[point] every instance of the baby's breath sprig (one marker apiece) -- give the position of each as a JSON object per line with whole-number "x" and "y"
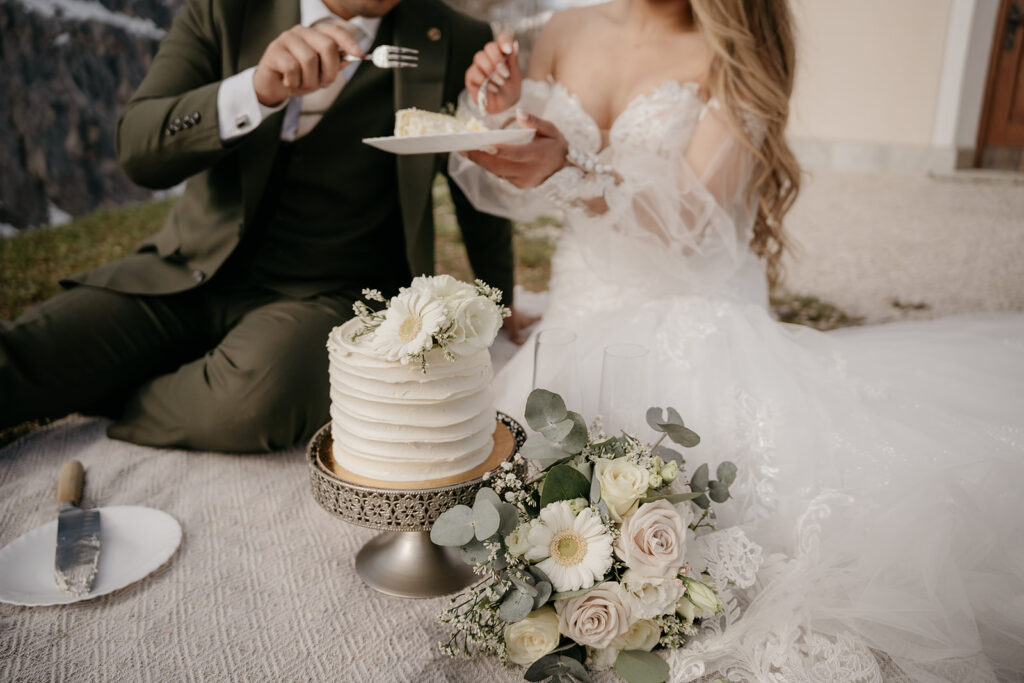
{"x": 494, "y": 294}
{"x": 675, "y": 632}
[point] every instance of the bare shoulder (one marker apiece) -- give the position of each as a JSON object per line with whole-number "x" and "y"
{"x": 556, "y": 36}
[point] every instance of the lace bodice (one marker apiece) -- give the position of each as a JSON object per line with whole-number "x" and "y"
{"x": 677, "y": 222}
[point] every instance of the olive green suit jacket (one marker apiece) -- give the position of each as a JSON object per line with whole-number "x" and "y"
{"x": 169, "y": 133}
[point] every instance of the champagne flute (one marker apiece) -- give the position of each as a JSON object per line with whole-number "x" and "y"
{"x": 554, "y": 365}
{"x": 623, "y": 391}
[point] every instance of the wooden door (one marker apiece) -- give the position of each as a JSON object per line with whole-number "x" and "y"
{"x": 1001, "y": 137}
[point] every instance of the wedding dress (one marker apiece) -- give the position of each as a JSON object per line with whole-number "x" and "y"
{"x": 881, "y": 467}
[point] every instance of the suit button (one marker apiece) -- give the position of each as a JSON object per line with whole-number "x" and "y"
{"x": 198, "y": 276}
{"x": 195, "y": 117}
{"x": 170, "y": 131}
{"x": 177, "y": 121}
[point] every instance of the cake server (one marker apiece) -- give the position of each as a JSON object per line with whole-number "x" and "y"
{"x": 78, "y": 535}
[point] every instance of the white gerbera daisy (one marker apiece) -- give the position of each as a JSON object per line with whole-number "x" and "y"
{"x": 576, "y": 550}
{"x": 409, "y": 325}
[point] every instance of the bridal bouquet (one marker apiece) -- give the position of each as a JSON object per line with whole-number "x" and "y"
{"x": 436, "y": 311}
{"x": 593, "y": 563}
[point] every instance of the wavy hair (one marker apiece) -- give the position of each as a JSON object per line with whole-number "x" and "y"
{"x": 751, "y": 76}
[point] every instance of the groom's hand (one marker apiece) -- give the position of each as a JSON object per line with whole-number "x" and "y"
{"x": 526, "y": 165}
{"x": 302, "y": 60}
{"x": 500, "y": 60}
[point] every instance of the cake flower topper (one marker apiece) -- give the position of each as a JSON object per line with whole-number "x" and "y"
{"x": 435, "y": 311}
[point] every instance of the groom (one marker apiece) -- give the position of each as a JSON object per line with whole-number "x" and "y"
{"x": 212, "y": 335}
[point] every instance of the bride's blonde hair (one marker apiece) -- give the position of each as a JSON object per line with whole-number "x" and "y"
{"x": 751, "y": 75}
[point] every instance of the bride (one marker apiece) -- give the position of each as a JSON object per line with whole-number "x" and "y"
{"x": 880, "y": 467}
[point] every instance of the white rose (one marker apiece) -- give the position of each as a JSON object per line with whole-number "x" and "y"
{"x": 622, "y": 484}
{"x": 702, "y": 596}
{"x": 517, "y": 542}
{"x": 641, "y": 635}
{"x": 651, "y": 596}
{"x": 653, "y": 539}
{"x": 448, "y": 288}
{"x": 531, "y": 638}
{"x": 476, "y": 322}
{"x": 409, "y": 324}
{"x": 596, "y": 617}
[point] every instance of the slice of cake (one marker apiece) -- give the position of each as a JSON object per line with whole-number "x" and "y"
{"x": 415, "y": 122}
{"x": 411, "y": 396}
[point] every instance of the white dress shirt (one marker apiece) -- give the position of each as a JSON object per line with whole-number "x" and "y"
{"x": 239, "y": 110}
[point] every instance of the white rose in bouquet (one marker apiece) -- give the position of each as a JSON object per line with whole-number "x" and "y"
{"x": 596, "y": 617}
{"x": 653, "y": 539}
{"x": 651, "y": 596}
{"x": 641, "y": 635}
{"x": 531, "y": 638}
{"x": 475, "y": 323}
{"x": 518, "y": 542}
{"x": 622, "y": 484}
{"x": 445, "y": 287}
{"x": 409, "y": 325}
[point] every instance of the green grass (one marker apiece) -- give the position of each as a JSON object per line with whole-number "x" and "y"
{"x": 32, "y": 265}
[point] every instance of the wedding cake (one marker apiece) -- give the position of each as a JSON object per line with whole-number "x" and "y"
{"x": 411, "y": 396}
{"x": 414, "y": 122}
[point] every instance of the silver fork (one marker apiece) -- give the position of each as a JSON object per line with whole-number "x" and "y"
{"x": 389, "y": 57}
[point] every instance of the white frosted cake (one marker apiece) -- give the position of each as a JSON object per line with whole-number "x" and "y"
{"x": 394, "y": 421}
{"x": 414, "y": 122}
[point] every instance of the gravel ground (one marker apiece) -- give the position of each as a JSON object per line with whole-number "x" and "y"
{"x": 889, "y": 247}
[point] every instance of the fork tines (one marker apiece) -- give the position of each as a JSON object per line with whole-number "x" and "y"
{"x": 401, "y": 57}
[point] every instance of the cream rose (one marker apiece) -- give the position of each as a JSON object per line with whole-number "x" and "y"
{"x": 531, "y": 638}
{"x": 596, "y": 617}
{"x": 476, "y": 322}
{"x": 622, "y": 484}
{"x": 653, "y": 539}
{"x": 641, "y": 635}
{"x": 651, "y": 596}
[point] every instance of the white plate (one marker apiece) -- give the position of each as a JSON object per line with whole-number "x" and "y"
{"x": 451, "y": 142}
{"x": 134, "y": 542}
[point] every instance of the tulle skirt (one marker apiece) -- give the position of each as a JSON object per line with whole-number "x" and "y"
{"x": 881, "y": 470}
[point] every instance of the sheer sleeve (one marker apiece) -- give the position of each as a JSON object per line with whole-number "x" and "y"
{"x": 676, "y": 211}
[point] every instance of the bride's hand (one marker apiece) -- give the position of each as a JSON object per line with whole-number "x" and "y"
{"x": 526, "y": 165}
{"x": 501, "y": 56}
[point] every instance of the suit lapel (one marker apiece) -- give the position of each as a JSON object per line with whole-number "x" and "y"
{"x": 422, "y": 26}
{"x": 264, "y": 21}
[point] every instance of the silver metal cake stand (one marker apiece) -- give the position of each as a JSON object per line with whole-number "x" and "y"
{"x": 402, "y": 561}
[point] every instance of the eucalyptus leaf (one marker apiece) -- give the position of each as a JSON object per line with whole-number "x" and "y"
{"x": 668, "y": 454}
{"x": 487, "y": 493}
{"x": 655, "y": 419}
{"x": 544, "y": 408}
{"x": 538, "y": 574}
{"x": 474, "y": 553}
{"x": 558, "y": 667}
{"x": 702, "y": 502}
{"x": 557, "y": 431}
{"x": 515, "y": 606}
{"x": 540, "y": 449}
{"x": 543, "y": 593}
{"x": 727, "y": 473}
{"x": 572, "y": 594}
{"x": 718, "y": 491}
{"x": 674, "y": 417}
{"x": 684, "y": 436}
{"x": 509, "y": 518}
{"x": 485, "y": 518}
{"x": 637, "y": 666}
{"x": 699, "y": 480}
{"x": 454, "y": 527}
{"x": 525, "y": 587}
{"x": 602, "y": 508}
{"x": 576, "y": 440}
{"x": 595, "y": 491}
{"x": 563, "y": 482}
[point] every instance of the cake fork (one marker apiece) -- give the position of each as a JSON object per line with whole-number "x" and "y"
{"x": 389, "y": 57}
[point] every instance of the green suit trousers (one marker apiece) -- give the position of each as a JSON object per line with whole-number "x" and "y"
{"x": 225, "y": 367}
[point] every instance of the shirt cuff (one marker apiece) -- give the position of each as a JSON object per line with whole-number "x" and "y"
{"x": 238, "y": 109}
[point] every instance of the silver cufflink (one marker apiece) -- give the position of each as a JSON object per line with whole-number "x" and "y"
{"x": 241, "y": 121}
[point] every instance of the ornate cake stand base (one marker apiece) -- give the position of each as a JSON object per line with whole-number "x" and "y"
{"x": 407, "y": 564}
{"x": 403, "y": 561}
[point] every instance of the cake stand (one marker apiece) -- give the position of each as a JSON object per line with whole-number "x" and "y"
{"x": 403, "y": 561}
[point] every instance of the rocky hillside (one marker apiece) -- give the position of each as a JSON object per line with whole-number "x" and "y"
{"x": 69, "y": 66}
